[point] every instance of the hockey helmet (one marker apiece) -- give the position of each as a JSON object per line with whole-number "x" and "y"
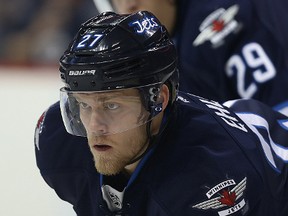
{"x": 112, "y": 53}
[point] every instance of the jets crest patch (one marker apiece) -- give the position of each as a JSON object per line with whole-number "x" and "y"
{"x": 39, "y": 129}
{"x": 217, "y": 26}
{"x": 226, "y": 198}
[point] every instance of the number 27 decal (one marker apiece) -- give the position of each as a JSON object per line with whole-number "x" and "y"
{"x": 89, "y": 40}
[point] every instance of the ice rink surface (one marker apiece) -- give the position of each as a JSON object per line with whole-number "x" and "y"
{"x": 25, "y": 93}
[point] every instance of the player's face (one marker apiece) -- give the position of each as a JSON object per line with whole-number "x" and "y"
{"x": 111, "y": 112}
{"x": 112, "y": 153}
{"x": 164, "y": 10}
{"x": 115, "y": 127}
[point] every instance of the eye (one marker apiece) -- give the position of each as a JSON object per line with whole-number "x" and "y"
{"x": 111, "y": 106}
{"x": 83, "y": 105}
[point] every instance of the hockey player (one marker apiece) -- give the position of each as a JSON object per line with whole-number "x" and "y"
{"x": 137, "y": 146}
{"x": 227, "y": 49}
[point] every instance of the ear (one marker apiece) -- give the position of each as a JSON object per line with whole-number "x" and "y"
{"x": 164, "y": 96}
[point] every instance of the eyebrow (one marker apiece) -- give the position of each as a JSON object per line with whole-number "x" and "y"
{"x": 95, "y": 97}
{"x": 102, "y": 97}
{"x": 111, "y": 94}
{"x": 114, "y": 94}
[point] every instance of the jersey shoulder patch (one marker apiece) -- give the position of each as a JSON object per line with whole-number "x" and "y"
{"x": 40, "y": 126}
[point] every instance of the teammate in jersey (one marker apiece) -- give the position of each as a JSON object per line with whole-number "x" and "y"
{"x": 227, "y": 49}
{"x": 137, "y": 146}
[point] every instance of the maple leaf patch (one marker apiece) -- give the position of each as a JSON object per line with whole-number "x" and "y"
{"x": 228, "y": 198}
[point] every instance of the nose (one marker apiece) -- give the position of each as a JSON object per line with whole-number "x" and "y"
{"x": 97, "y": 124}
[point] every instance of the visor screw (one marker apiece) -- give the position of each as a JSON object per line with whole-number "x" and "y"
{"x": 75, "y": 84}
{"x": 153, "y": 98}
{"x": 93, "y": 83}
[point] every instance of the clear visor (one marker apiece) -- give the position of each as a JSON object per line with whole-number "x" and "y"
{"x": 106, "y": 113}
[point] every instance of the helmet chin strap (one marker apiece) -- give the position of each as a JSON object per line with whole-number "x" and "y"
{"x": 151, "y": 139}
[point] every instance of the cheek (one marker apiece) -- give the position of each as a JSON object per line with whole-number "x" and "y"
{"x": 83, "y": 117}
{"x": 133, "y": 140}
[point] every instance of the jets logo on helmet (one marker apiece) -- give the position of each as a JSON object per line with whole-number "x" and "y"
{"x": 146, "y": 24}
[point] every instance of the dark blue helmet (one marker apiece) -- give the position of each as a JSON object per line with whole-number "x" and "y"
{"x": 113, "y": 51}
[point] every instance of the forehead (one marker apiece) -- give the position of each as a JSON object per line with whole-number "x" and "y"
{"x": 107, "y": 94}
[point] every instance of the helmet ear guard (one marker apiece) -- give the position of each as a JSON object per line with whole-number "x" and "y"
{"x": 152, "y": 99}
{"x": 157, "y": 100}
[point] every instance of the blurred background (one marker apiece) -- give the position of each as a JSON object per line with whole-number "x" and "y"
{"x": 33, "y": 35}
{"x": 37, "y": 31}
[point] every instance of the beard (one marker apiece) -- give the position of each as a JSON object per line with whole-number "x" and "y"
{"x": 126, "y": 146}
{"x": 110, "y": 165}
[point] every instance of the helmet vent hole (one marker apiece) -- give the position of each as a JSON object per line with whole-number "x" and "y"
{"x": 119, "y": 69}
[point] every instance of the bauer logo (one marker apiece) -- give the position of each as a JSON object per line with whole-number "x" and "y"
{"x": 144, "y": 25}
{"x": 82, "y": 72}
